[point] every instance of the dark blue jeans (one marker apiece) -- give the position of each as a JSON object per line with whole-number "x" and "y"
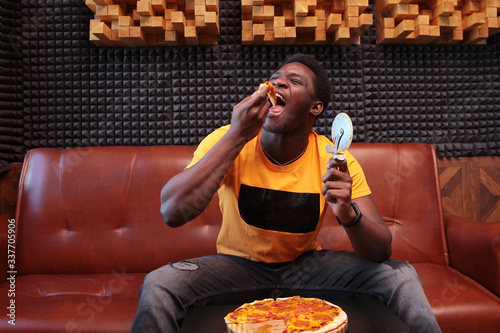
{"x": 169, "y": 291}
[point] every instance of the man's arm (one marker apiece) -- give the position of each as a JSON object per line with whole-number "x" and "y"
{"x": 188, "y": 193}
{"x": 370, "y": 237}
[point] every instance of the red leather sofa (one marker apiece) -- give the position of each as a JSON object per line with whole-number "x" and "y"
{"x": 88, "y": 228}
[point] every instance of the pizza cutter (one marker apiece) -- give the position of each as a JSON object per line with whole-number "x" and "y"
{"x": 341, "y": 136}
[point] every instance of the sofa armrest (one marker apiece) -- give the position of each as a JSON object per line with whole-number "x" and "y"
{"x": 4, "y": 238}
{"x": 474, "y": 249}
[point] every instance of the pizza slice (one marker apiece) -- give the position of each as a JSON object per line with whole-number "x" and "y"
{"x": 274, "y": 97}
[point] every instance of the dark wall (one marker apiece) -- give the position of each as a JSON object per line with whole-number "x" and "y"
{"x": 11, "y": 71}
{"x": 76, "y": 94}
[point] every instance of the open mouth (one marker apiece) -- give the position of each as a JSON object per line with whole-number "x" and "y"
{"x": 278, "y": 106}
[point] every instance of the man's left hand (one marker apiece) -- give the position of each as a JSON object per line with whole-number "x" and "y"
{"x": 338, "y": 189}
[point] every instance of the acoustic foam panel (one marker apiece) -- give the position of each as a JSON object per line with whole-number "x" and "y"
{"x": 77, "y": 94}
{"x": 11, "y": 118}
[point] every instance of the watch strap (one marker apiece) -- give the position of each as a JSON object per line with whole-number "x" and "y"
{"x": 356, "y": 220}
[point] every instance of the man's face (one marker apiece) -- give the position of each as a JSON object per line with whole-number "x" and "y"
{"x": 294, "y": 83}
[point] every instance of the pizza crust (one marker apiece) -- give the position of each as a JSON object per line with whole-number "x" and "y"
{"x": 273, "y": 326}
{"x": 278, "y": 326}
{"x": 338, "y": 325}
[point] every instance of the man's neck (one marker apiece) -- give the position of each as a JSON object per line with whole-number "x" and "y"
{"x": 283, "y": 147}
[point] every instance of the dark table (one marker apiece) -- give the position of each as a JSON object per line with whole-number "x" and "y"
{"x": 365, "y": 316}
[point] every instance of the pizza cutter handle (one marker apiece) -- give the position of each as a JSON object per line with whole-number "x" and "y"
{"x": 336, "y": 155}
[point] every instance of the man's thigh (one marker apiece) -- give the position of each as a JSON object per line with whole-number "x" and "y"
{"x": 343, "y": 272}
{"x": 216, "y": 279}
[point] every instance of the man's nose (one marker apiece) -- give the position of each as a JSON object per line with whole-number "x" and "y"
{"x": 279, "y": 83}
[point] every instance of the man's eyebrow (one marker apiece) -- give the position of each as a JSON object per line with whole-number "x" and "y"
{"x": 296, "y": 75}
{"x": 280, "y": 74}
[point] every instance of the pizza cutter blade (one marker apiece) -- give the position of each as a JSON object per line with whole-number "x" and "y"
{"x": 342, "y": 132}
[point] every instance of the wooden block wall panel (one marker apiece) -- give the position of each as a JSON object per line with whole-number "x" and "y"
{"x": 445, "y": 22}
{"x": 154, "y": 22}
{"x": 471, "y": 187}
{"x": 268, "y": 22}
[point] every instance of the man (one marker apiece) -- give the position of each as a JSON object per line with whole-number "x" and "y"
{"x": 275, "y": 182}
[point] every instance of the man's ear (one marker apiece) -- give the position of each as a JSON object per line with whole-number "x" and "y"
{"x": 316, "y": 108}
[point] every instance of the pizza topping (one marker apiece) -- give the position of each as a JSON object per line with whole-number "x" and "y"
{"x": 301, "y": 323}
{"x": 322, "y": 317}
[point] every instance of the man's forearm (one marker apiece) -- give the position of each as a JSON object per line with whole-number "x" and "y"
{"x": 370, "y": 237}
{"x": 370, "y": 240}
{"x": 187, "y": 194}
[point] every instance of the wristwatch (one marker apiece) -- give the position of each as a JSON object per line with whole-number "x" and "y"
{"x": 356, "y": 220}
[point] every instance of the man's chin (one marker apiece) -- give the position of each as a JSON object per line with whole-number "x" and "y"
{"x": 274, "y": 128}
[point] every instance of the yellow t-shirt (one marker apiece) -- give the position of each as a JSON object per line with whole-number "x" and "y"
{"x": 273, "y": 213}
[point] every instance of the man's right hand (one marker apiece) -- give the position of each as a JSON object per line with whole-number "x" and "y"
{"x": 250, "y": 114}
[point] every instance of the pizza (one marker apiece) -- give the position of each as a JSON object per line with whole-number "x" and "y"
{"x": 272, "y": 94}
{"x": 287, "y": 315}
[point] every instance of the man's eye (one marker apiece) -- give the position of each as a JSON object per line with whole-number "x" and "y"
{"x": 295, "y": 81}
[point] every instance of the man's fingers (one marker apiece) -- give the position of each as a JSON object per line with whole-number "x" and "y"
{"x": 339, "y": 165}
{"x": 334, "y": 194}
{"x": 343, "y": 167}
{"x": 327, "y": 176}
{"x": 257, "y": 99}
{"x": 334, "y": 174}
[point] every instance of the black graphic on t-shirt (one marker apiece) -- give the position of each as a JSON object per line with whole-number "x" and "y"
{"x": 279, "y": 210}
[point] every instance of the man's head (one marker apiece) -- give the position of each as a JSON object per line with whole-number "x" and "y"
{"x": 302, "y": 93}
{"x": 322, "y": 83}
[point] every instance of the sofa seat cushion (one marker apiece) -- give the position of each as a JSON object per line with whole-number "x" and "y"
{"x": 75, "y": 303}
{"x": 459, "y": 303}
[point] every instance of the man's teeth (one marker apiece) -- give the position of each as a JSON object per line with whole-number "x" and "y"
{"x": 274, "y": 101}
{"x": 280, "y": 97}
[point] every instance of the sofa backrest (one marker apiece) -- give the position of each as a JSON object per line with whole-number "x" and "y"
{"x": 97, "y": 210}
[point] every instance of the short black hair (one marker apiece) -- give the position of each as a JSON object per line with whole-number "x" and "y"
{"x": 322, "y": 84}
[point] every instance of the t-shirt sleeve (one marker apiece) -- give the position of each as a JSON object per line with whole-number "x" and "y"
{"x": 206, "y": 144}
{"x": 360, "y": 186}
